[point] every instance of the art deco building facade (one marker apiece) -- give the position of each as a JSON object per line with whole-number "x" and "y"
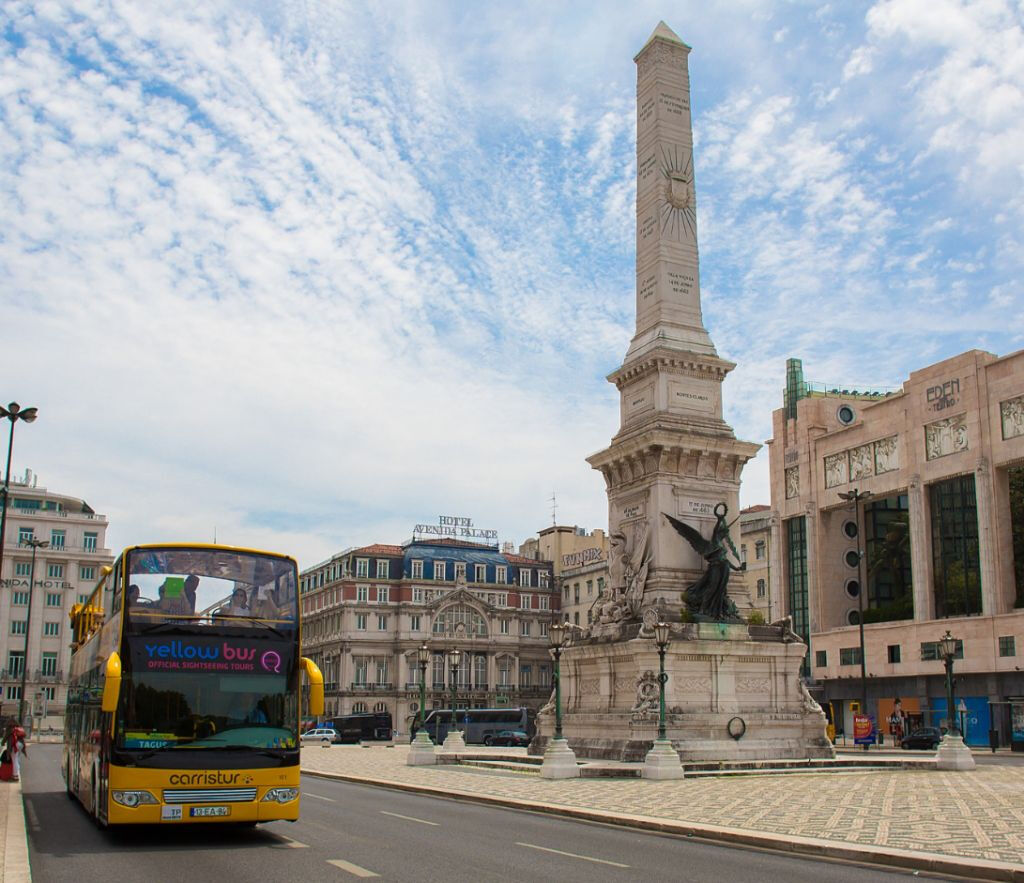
{"x": 66, "y": 571}
{"x": 938, "y": 467}
{"x": 366, "y": 611}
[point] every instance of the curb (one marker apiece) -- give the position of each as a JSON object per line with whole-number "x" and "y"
{"x": 14, "y": 864}
{"x": 974, "y": 868}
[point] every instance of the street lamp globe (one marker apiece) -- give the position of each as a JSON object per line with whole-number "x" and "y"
{"x": 662, "y": 634}
{"x": 556, "y": 635}
{"x": 423, "y": 654}
{"x": 454, "y": 656}
{"x": 948, "y": 645}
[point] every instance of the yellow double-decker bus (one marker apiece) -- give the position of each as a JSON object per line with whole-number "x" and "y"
{"x": 184, "y": 698}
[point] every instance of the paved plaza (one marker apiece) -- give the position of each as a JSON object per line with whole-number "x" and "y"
{"x": 971, "y": 823}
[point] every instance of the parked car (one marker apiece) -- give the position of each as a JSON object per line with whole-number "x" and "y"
{"x": 515, "y": 738}
{"x": 322, "y": 735}
{"x": 924, "y": 737}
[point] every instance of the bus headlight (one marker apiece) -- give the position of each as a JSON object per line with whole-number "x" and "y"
{"x": 281, "y": 795}
{"x": 133, "y": 798}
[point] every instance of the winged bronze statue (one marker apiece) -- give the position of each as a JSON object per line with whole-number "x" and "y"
{"x": 708, "y": 598}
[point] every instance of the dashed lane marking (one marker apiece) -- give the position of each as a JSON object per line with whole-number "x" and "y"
{"x": 354, "y": 870}
{"x": 586, "y": 858}
{"x": 396, "y": 815}
{"x": 287, "y": 842}
{"x": 318, "y": 796}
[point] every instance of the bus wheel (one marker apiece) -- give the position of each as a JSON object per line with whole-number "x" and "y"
{"x": 488, "y": 740}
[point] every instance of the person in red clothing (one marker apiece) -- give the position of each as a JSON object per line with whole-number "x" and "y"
{"x": 14, "y": 748}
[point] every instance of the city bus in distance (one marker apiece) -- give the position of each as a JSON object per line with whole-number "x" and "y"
{"x": 184, "y": 700}
{"x": 479, "y": 725}
{"x": 366, "y": 727}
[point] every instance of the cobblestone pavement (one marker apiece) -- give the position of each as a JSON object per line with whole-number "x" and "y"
{"x": 976, "y": 815}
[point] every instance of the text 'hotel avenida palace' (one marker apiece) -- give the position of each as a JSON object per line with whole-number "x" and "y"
{"x": 367, "y": 610}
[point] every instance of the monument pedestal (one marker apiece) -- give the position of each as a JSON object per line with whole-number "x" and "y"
{"x": 453, "y": 742}
{"x": 559, "y": 761}
{"x": 422, "y": 752}
{"x": 662, "y": 762}
{"x": 953, "y": 754}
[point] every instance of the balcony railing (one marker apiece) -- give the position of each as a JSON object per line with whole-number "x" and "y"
{"x": 356, "y": 685}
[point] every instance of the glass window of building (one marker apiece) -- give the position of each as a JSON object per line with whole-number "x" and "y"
{"x": 19, "y": 598}
{"x": 460, "y": 570}
{"x": 15, "y": 662}
{"x": 524, "y": 602}
{"x": 524, "y": 628}
{"x": 504, "y": 672}
{"x": 414, "y": 623}
{"x": 543, "y": 577}
{"x": 13, "y": 693}
{"x": 524, "y": 576}
{"x": 18, "y": 627}
{"x": 54, "y": 599}
{"x": 417, "y": 569}
{"x": 887, "y": 559}
{"x": 956, "y": 563}
{"x": 480, "y": 573}
{"x": 820, "y": 658}
{"x": 759, "y": 550}
{"x": 49, "y": 665}
{"x": 51, "y": 629}
{"x": 458, "y": 620}
{"x": 576, "y": 593}
{"x": 760, "y": 588}
{"x": 743, "y": 552}
{"x": 501, "y": 574}
{"x": 359, "y": 707}
{"x": 849, "y": 655}
{"x": 543, "y": 629}
{"x": 23, "y": 568}
{"x": 361, "y": 622}
{"x": 382, "y": 622}
{"x": 796, "y": 559}
{"x": 1007, "y": 645}
{"x": 576, "y": 618}
{"x": 600, "y": 585}
{"x": 89, "y": 541}
{"x": 383, "y": 566}
{"x": 362, "y": 593}
{"x": 504, "y": 627}
{"x": 87, "y": 573}
{"x": 480, "y": 671}
{"x": 894, "y": 653}
{"x": 439, "y": 569}
{"x": 25, "y": 534}
{"x": 543, "y": 600}
{"x": 55, "y": 571}
{"x": 526, "y": 676}
{"x": 360, "y": 669}
{"x": 57, "y": 537}
{"x": 362, "y": 567}
{"x": 383, "y": 593}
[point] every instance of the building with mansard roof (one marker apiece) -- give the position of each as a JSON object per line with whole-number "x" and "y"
{"x": 366, "y": 611}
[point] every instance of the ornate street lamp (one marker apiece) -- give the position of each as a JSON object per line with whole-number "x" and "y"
{"x": 35, "y": 544}
{"x": 13, "y": 412}
{"x": 421, "y": 751}
{"x": 662, "y": 637}
{"x": 559, "y": 759}
{"x": 423, "y": 658}
{"x": 556, "y": 638}
{"x": 454, "y": 657}
{"x": 948, "y": 647}
{"x": 856, "y": 496}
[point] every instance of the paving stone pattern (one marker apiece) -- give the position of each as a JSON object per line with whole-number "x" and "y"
{"x": 977, "y": 814}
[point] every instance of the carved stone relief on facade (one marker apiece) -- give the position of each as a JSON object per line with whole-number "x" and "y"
{"x": 694, "y": 685}
{"x": 753, "y": 685}
{"x": 945, "y": 437}
{"x": 792, "y": 482}
{"x": 837, "y": 469}
{"x": 590, "y": 688}
{"x": 886, "y": 458}
{"x": 1012, "y": 412}
{"x": 862, "y": 462}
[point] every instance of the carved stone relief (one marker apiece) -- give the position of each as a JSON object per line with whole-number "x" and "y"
{"x": 886, "y": 459}
{"x": 837, "y": 469}
{"x": 590, "y": 688}
{"x": 945, "y": 437}
{"x": 752, "y": 685}
{"x": 1012, "y": 412}
{"x": 693, "y": 685}
{"x": 862, "y": 462}
{"x": 792, "y": 482}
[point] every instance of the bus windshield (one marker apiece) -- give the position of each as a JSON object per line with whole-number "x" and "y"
{"x": 209, "y": 585}
{"x": 200, "y": 691}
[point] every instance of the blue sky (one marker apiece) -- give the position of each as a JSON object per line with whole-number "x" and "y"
{"x": 310, "y": 273}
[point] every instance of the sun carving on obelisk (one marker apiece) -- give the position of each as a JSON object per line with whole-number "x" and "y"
{"x": 679, "y": 210}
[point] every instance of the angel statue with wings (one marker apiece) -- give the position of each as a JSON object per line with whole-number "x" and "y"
{"x": 709, "y": 596}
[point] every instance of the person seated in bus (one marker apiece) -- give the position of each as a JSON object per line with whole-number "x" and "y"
{"x": 191, "y": 587}
{"x": 263, "y": 603}
{"x": 172, "y": 599}
{"x": 238, "y": 604}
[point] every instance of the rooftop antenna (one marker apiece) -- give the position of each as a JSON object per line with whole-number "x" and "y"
{"x": 215, "y": 534}
{"x": 554, "y": 509}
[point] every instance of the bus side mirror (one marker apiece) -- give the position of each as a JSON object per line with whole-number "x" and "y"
{"x": 111, "y": 683}
{"x": 316, "y": 687}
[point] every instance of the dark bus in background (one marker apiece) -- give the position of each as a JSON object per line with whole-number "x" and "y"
{"x": 480, "y": 725}
{"x": 368, "y": 727}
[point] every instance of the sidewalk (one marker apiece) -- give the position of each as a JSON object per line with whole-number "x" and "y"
{"x": 963, "y": 823}
{"x": 14, "y": 866}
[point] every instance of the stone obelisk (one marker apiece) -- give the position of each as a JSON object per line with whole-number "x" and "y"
{"x": 674, "y": 452}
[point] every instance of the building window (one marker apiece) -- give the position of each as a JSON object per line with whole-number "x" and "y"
{"x": 382, "y": 622}
{"x": 480, "y": 573}
{"x": 49, "y": 693}
{"x": 25, "y": 534}
{"x": 414, "y": 623}
{"x": 459, "y": 619}
{"x": 460, "y": 570}
{"x": 15, "y": 662}
{"x": 57, "y": 538}
{"x": 894, "y": 653}
{"x": 501, "y": 574}
{"x": 380, "y": 707}
{"x": 362, "y": 568}
{"x": 524, "y": 577}
{"x": 81, "y": 599}
{"x": 383, "y": 593}
{"x": 543, "y": 629}
{"x": 543, "y": 577}
{"x": 358, "y": 708}
{"x": 51, "y": 629}
{"x": 576, "y": 593}
{"x": 565, "y": 592}
{"x": 743, "y": 553}
{"x": 600, "y": 586}
{"x": 524, "y": 602}
{"x": 760, "y": 588}
{"x": 887, "y": 545}
{"x": 417, "y": 569}
{"x": 504, "y": 672}
{"x": 382, "y": 672}
{"x": 576, "y": 618}
{"x": 524, "y": 628}
{"x": 362, "y": 593}
{"x": 19, "y": 598}
{"x": 590, "y": 588}
{"x": 54, "y": 599}
{"x": 796, "y": 559}
{"x": 526, "y": 676}
{"x": 1007, "y": 646}
{"x": 49, "y": 665}
{"x": 502, "y": 599}
{"x": 955, "y": 558}
{"x": 417, "y": 595}
{"x": 820, "y": 658}
{"x": 360, "y": 668}
{"x": 89, "y": 541}
{"x": 439, "y": 570}
{"x": 382, "y": 568}
{"x": 55, "y": 571}
{"x": 931, "y": 650}
{"x": 849, "y": 656}
{"x": 87, "y": 573}
{"x": 18, "y": 627}
{"x": 23, "y": 568}
{"x": 13, "y": 693}
{"x": 504, "y": 629}
{"x": 759, "y": 550}
{"x": 543, "y": 600}
{"x": 361, "y": 622}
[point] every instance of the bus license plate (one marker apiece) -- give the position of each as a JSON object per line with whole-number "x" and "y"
{"x": 209, "y": 811}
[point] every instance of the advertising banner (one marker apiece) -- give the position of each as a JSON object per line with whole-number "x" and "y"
{"x": 197, "y": 653}
{"x": 863, "y": 730}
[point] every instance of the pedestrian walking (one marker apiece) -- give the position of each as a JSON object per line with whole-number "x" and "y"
{"x": 14, "y": 749}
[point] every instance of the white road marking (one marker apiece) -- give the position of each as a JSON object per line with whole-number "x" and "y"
{"x": 396, "y": 815}
{"x": 354, "y": 870}
{"x": 289, "y": 843}
{"x": 586, "y": 858}
{"x": 318, "y": 797}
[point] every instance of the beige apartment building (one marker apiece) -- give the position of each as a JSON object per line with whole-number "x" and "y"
{"x": 580, "y": 565}
{"x": 755, "y": 547}
{"x": 366, "y": 612}
{"x": 66, "y": 572}
{"x": 905, "y": 508}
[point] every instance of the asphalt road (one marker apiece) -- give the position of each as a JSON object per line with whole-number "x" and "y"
{"x": 352, "y": 831}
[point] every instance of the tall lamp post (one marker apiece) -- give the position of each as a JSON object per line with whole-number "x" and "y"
{"x": 856, "y": 496}
{"x": 662, "y": 761}
{"x": 13, "y": 412}
{"x": 953, "y": 754}
{"x": 559, "y": 759}
{"x": 421, "y": 752}
{"x": 35, "y": 544}
{"x": 454, "y": 741}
